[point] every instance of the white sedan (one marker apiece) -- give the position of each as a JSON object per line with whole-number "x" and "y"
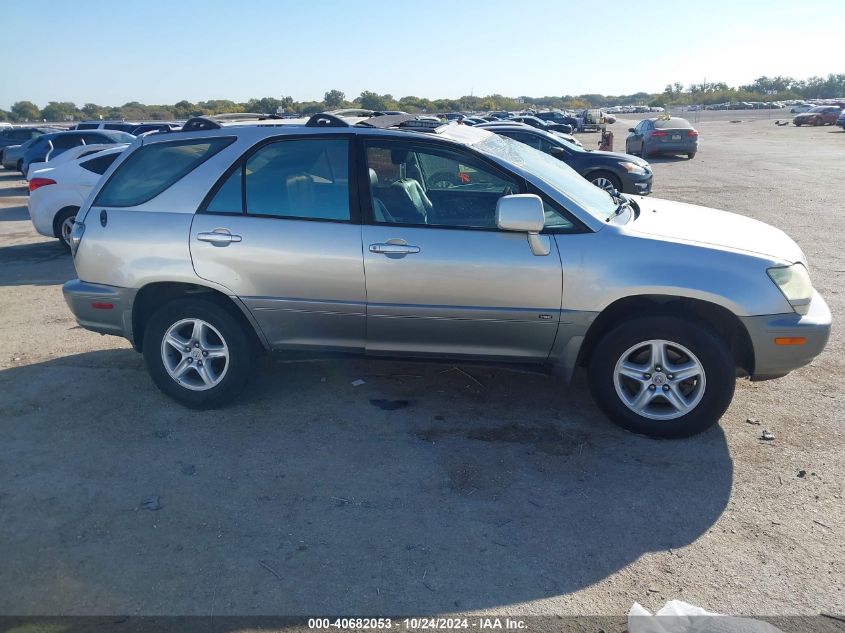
{"x": 57, "y": 192}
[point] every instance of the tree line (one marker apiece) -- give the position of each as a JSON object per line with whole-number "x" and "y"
{"x": 761, "y": 89}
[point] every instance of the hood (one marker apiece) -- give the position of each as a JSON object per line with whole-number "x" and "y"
{"x": 806, "y": 115}
{"x": 721, "y": 229}
{"x": 619, "y": 157}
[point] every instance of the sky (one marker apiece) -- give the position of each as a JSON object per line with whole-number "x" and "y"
{"x": 157, "y": 52}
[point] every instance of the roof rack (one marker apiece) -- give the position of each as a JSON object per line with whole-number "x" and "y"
{"x": 213, "y": 121}
{"x": 324, "y": 119}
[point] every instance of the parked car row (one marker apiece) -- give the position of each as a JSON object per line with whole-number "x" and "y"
{"x": 455, "y": 246}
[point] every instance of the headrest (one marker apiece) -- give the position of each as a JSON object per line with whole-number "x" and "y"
{"x": 373, "y": 177}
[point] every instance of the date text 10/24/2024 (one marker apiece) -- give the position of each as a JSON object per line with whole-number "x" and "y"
{"x": 422, "y": 624}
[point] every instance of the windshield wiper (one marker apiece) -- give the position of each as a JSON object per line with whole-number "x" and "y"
{"x": 621, "y": 203}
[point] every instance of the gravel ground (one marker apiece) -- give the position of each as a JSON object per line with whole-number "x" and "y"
{"x": 508, "y": 495}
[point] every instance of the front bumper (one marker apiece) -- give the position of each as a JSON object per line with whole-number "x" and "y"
{"x": 637, "y": 184}
{"x": 103, "y": 309}
{"x": 772, "y": 360}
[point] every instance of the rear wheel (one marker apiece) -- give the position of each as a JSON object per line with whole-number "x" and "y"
{"x": 664, "y": 377}
{"x": 20, "y": 165}
{"x": 63, "y": 225}
{"x": 691, "y": 155}
{"x": 198, "y": 353}
{"x": 605, "y": 180}
{"x": 818, "y": 121}
{"x": 643, "y": 151}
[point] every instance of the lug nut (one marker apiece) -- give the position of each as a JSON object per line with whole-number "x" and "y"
{"x": 658, "y": 368}
{"x": 646, "y": 376}
{"x": 199, "y": 362}
{"x": 196, "y": 344}
{"x": 187, "y": 349}
{"x": 665, "y": 387}
{"x": 204, "y": 353}
{"x": 652, "y": 387}
{"x": 670, "y": 376}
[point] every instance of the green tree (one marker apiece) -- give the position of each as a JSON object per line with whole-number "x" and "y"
{"x": 373, "y": 101}
{"x": 4, "y": 116}
{"x": 185, "y": 110}
{"x": 59, "y": 111}
{"x": 334, "y": 99}
{"x": 25, "y": 111}
{"x": 92, "y": 111}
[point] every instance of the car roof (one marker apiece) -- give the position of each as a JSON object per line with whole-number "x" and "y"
{"x": 404, "y": 126}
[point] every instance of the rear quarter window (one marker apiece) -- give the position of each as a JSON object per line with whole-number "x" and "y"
{"x": 153, "y": 168}
{"x": 100, "y": 164}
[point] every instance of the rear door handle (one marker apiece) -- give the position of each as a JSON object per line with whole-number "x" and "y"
{"x": 393, "y": 249}
{"x": 218, "y": 237}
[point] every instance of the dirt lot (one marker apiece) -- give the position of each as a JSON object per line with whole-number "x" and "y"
{"x": 509, "y": 495}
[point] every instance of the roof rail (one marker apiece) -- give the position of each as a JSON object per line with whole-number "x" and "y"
{"x": 324, "y": 119}
{"x": 198, "y": 123}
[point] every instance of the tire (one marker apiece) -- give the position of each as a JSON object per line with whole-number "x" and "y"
{"x": 691, "y": 155}
{"x": 62, "y": 224}
{"x": 20, "y": 166}
{"x": 225, "y": 379}
{"x": 703, "y": 397}
{"x": 818, "y": 121}
{"x": 606, "y": 179}
{"x": 644, "y": 152}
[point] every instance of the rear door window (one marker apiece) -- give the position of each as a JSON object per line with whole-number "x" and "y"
{"x": 305, "y": 179}
{"x": 153, "y": 168}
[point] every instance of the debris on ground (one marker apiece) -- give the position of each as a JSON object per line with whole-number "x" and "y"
{"x": 767, "y": 435}
{"x": 752, "y": 421}
{"x": 465, "y": 373}
{"x": 152, "y": 503}
{"x": 358, "y": 382}
{"x": 801, "y": 474}
{"x": 389, "y": 405}
{"x": 677, "y": 616}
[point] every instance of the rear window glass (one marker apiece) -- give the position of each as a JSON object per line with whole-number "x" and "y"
{"x": 674, "y": 123}
{"x": 153, "y": 168}
{"x": 100, "y": 164}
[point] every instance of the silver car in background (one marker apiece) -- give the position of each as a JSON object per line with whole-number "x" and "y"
{"x": 396, "y": 237}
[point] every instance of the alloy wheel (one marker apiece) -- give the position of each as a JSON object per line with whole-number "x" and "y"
{"x": 604, "y": 183}
{"x": 66, "y": 229}
{"x": 659, "y": 379}
{"x": 195, "y": 354}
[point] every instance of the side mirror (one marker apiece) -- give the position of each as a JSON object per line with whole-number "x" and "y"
{"x": 630, "y": 129}
{"x": 557, "y": 151}
{"x": 523, "y": 213}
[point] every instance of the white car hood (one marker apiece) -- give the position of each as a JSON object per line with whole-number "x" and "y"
{"x": 693, "y": 223}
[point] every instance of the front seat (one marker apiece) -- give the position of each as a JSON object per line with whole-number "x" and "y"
{"x": 380, "y": 210}
{"x": 405, "y": 199}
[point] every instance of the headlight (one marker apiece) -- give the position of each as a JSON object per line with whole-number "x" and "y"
{"x": 794, "y": 282}
{"x": 633, "y": 168}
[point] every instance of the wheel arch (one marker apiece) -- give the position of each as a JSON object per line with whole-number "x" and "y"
{"x": 153, "y": 295}
{"x": 724, "y": 322}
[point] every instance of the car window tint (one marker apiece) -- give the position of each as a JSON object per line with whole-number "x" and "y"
{"x": 305, "y": 179}
{"x": 100, "y": 164}
{"x": 87, "y": 126}
{"x": 673, "y": 123}
{"x": 410, "y": 185}
{"x": 153, "y": 168}
{"x": 229, "y": 197}
{"x": 66, "y": 142}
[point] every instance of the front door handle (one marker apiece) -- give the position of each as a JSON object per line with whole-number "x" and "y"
{"x": 219, "y": 237}
{"x": 393, "y": 249}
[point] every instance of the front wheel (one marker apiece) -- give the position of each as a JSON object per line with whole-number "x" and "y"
{"x": 691, "y": 155}
{"x": 605, "y": 180}
{"x": 665, "y": 377}
{"x": 197, "y": 353}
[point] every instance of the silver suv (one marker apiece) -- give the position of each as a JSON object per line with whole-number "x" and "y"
{"x": 388, "y": 237}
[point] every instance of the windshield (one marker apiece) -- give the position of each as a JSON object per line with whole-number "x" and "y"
{"x": 552, "y": 171}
